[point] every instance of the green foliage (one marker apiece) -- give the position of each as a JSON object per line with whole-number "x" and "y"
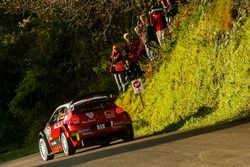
{"x": 49, "y": 54}
{"x": 206, "y": 77}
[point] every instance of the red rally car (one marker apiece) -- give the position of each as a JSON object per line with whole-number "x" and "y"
{"x": 96, "y": 120}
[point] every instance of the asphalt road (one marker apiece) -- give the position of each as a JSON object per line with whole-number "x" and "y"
{"x": 224, "y": 146}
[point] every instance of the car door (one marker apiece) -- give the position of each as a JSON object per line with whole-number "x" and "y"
{"x": 55, "y": 131}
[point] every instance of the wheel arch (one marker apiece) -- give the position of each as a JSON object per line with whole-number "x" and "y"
{"x": 42, "y": 135}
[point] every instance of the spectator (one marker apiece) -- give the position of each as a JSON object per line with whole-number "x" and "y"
{"x": 141, "y": 51}
{"x": 142, "y": 31}
{"x": 130, "y": 48}
{"x": 166, "y": 6}
{"x": 172, "y": 9}
{"x": 117, "y": 68}
{"x": 158, "y": 20}
{"x": 126, "y": 45}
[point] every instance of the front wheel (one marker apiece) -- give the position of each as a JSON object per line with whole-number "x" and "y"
{"x": 67, "y": 146}
{"x": 44, "y": 150}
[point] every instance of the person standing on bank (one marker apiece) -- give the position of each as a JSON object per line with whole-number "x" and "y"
{"x": 158, "y": 20}
{"x": 142, "y": 31}
{"x": 130, "y": 51}
{"x": 117, "y": 68}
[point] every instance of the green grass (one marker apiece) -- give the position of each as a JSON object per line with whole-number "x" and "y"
{"x": 204, "y": 73}
{"x": 18, "y": 153}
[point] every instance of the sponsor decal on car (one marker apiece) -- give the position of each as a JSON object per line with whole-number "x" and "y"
{"x": 87, "y": 133}
{"x": 53, "y": 143}
{"x": 118, "y": 124}
{"x": 109, "y": 114}
{"x": 84, "y": 130}
{"x": 47, "y": 131}
{"x": 90, "y": 115}
{"x": 88, "y": 121}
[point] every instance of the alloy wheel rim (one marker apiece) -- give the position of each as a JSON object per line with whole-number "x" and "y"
{"x": 43, "y": 149}
{"x": 64, "y": 143}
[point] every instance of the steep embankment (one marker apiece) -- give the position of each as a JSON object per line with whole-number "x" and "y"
{"x": 204, "y": 76}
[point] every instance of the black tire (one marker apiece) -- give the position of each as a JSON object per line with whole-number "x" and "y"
{"x": 129, "y": 135}
{"x": 67, "y": 146}
{"x": 44, "y": 150}
{"x": 105, "y": 144}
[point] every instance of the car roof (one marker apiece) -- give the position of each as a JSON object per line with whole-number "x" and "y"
{"x": 89, "y": 98}
{"x": 92, "y": 99}
{"x": 67, "y": 105}
{"x": 108, "y": 94}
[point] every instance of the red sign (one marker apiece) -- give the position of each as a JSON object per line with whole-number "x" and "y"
{"x": 137, "y": 86}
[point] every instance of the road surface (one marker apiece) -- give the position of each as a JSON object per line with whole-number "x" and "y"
{"x": 218, "y": 146}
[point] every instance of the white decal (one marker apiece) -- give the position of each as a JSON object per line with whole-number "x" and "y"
{"x": 100, "y": 126}
{"x": 56, "y": 125}
{"x": 53, "y": 143}
{"x": 90, "y": 115}
{"x": 47, "y": 131}
{"x": 109, "y": 114}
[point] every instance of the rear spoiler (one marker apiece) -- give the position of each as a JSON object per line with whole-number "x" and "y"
{"x": 93, "y": 98}
{"x": 107, "y": 94}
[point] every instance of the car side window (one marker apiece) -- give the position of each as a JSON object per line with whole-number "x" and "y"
{"x": 54, "y": 118}
{"x": 62, "y": 114}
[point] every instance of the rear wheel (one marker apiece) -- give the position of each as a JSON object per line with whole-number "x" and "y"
{"x": 129, "y": 135}
{"x": 44, "y": 150}
{"x": 67, "y": 146}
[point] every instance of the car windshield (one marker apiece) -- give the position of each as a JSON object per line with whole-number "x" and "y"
{"x": 92, "y": 106}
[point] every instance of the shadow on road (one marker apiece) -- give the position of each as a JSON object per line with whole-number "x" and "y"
{"x": 162, "y": 139}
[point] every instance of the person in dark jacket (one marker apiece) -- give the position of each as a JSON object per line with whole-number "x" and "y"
{"x": 171, "y": 9}
{"x": 118, "y": 68}
{"x": 142, "y": 31}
